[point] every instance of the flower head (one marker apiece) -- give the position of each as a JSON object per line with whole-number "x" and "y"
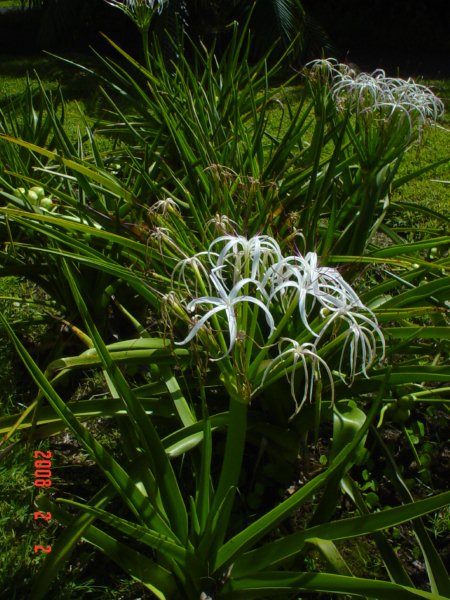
{"x": 311, "y": 362}
{"x": 300, "y": 279}
{"x": 243, "y": 279}
{"x": 165, "y": 206}
{"x": 228, "y": 302}
{"x": 378, "y": 92}
{"x": 361, "y": 336}
{"x": 242, "y": 257}
{"x": 376, "y": 95}
{"x": 139, "y": 11}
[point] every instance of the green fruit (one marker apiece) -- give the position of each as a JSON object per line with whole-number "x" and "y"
{"x": 20, "y": 192}
{"x": 32, "y": 197}
{"x": 38, "y": 190}
{"x": 46, "y": 203}
{"x": 425, "y": 460}
{"x": 401, "y": 414}
{"x": 397, "y": 412}
{"x": 406, "y": 402}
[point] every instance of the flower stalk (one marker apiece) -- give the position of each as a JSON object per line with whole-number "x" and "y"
{"x": 141, "y": 12}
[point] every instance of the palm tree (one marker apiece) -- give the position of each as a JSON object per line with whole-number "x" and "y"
{"x": 271, "y": 21}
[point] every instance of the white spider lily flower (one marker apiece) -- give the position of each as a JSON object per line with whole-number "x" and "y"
{"x": 328, "y": 69}
{"x": 245, "y": 257}
{"x": 241, "y": 278}
{"x": 134, "y": 5}
{"x": 376, "y": 94}
{"x": 372, "y": 92}
{"x": 307, "y": 354}
{"x": 139, "y": 11}
{"x": 302, "y": 277}
{"x": 164, "y": 206}
{"x": 325, "y": 282}
{"x": 199, "y": 271}
{"x": 288, "y": 281}
{"x": 360, "y": 337}
{"x": 227, "y": 302}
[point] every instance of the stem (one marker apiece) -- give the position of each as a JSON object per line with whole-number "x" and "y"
{"x": 234, "y": 451}
{"x": 145, "y": 48}
{"x": 412, "y": 446}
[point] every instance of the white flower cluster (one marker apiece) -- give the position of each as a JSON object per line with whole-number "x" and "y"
{"x": 373, "y": 92}
{"x": 239, "y": 272}
{"x": 140, "y": 11}
{"x": 134, "y": 5}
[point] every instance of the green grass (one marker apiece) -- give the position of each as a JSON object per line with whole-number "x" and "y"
{"x": 431, "y": 189}
{"x": 10, "y": 3}
{"x": 80, "y": 91}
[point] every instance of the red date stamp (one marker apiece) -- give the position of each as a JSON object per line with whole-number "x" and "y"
{"x": 42, "y": 479}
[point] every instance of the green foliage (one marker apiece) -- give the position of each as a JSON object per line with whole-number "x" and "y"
{"x": 207, "y": 204}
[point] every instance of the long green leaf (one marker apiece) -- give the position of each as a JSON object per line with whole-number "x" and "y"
{"x": 103, "y": 178}
{"x": 151, "y": 443}
{"x": 277, "y": 552}
{"x": 411, "y": 333}
{"x": 141, "y": 568}
{"x": 279, "y": 584}
{"x": 180, "y": 403}
{"x": 139, "y": 504}
{"x": 143, "y": 534}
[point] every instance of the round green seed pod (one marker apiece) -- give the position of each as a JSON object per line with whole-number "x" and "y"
{"x": 38, "y": 190}
{"x": 32, "y": 197}
{"x": 20, "y": 192}
{"x": 401, "y": 414}
{"x": 406, "y": 402}
{"x": 46, "y": 203}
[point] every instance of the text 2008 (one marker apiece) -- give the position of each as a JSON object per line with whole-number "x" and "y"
{"x": 42, "y": 479}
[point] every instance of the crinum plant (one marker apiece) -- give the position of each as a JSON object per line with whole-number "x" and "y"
{"x": 254, "y": 312}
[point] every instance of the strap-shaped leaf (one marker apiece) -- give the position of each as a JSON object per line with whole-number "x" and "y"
{"x": 277, "y": 552}
{"x": 151, "y": 443}
{"x": 141, "y": 568}
{"x": 124, "y": 484}
{"x": 262, "y": 585}
{"x": 181, "y": 406}
{"x": 162, "y": 544}
{"x": 99, "y": 176}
